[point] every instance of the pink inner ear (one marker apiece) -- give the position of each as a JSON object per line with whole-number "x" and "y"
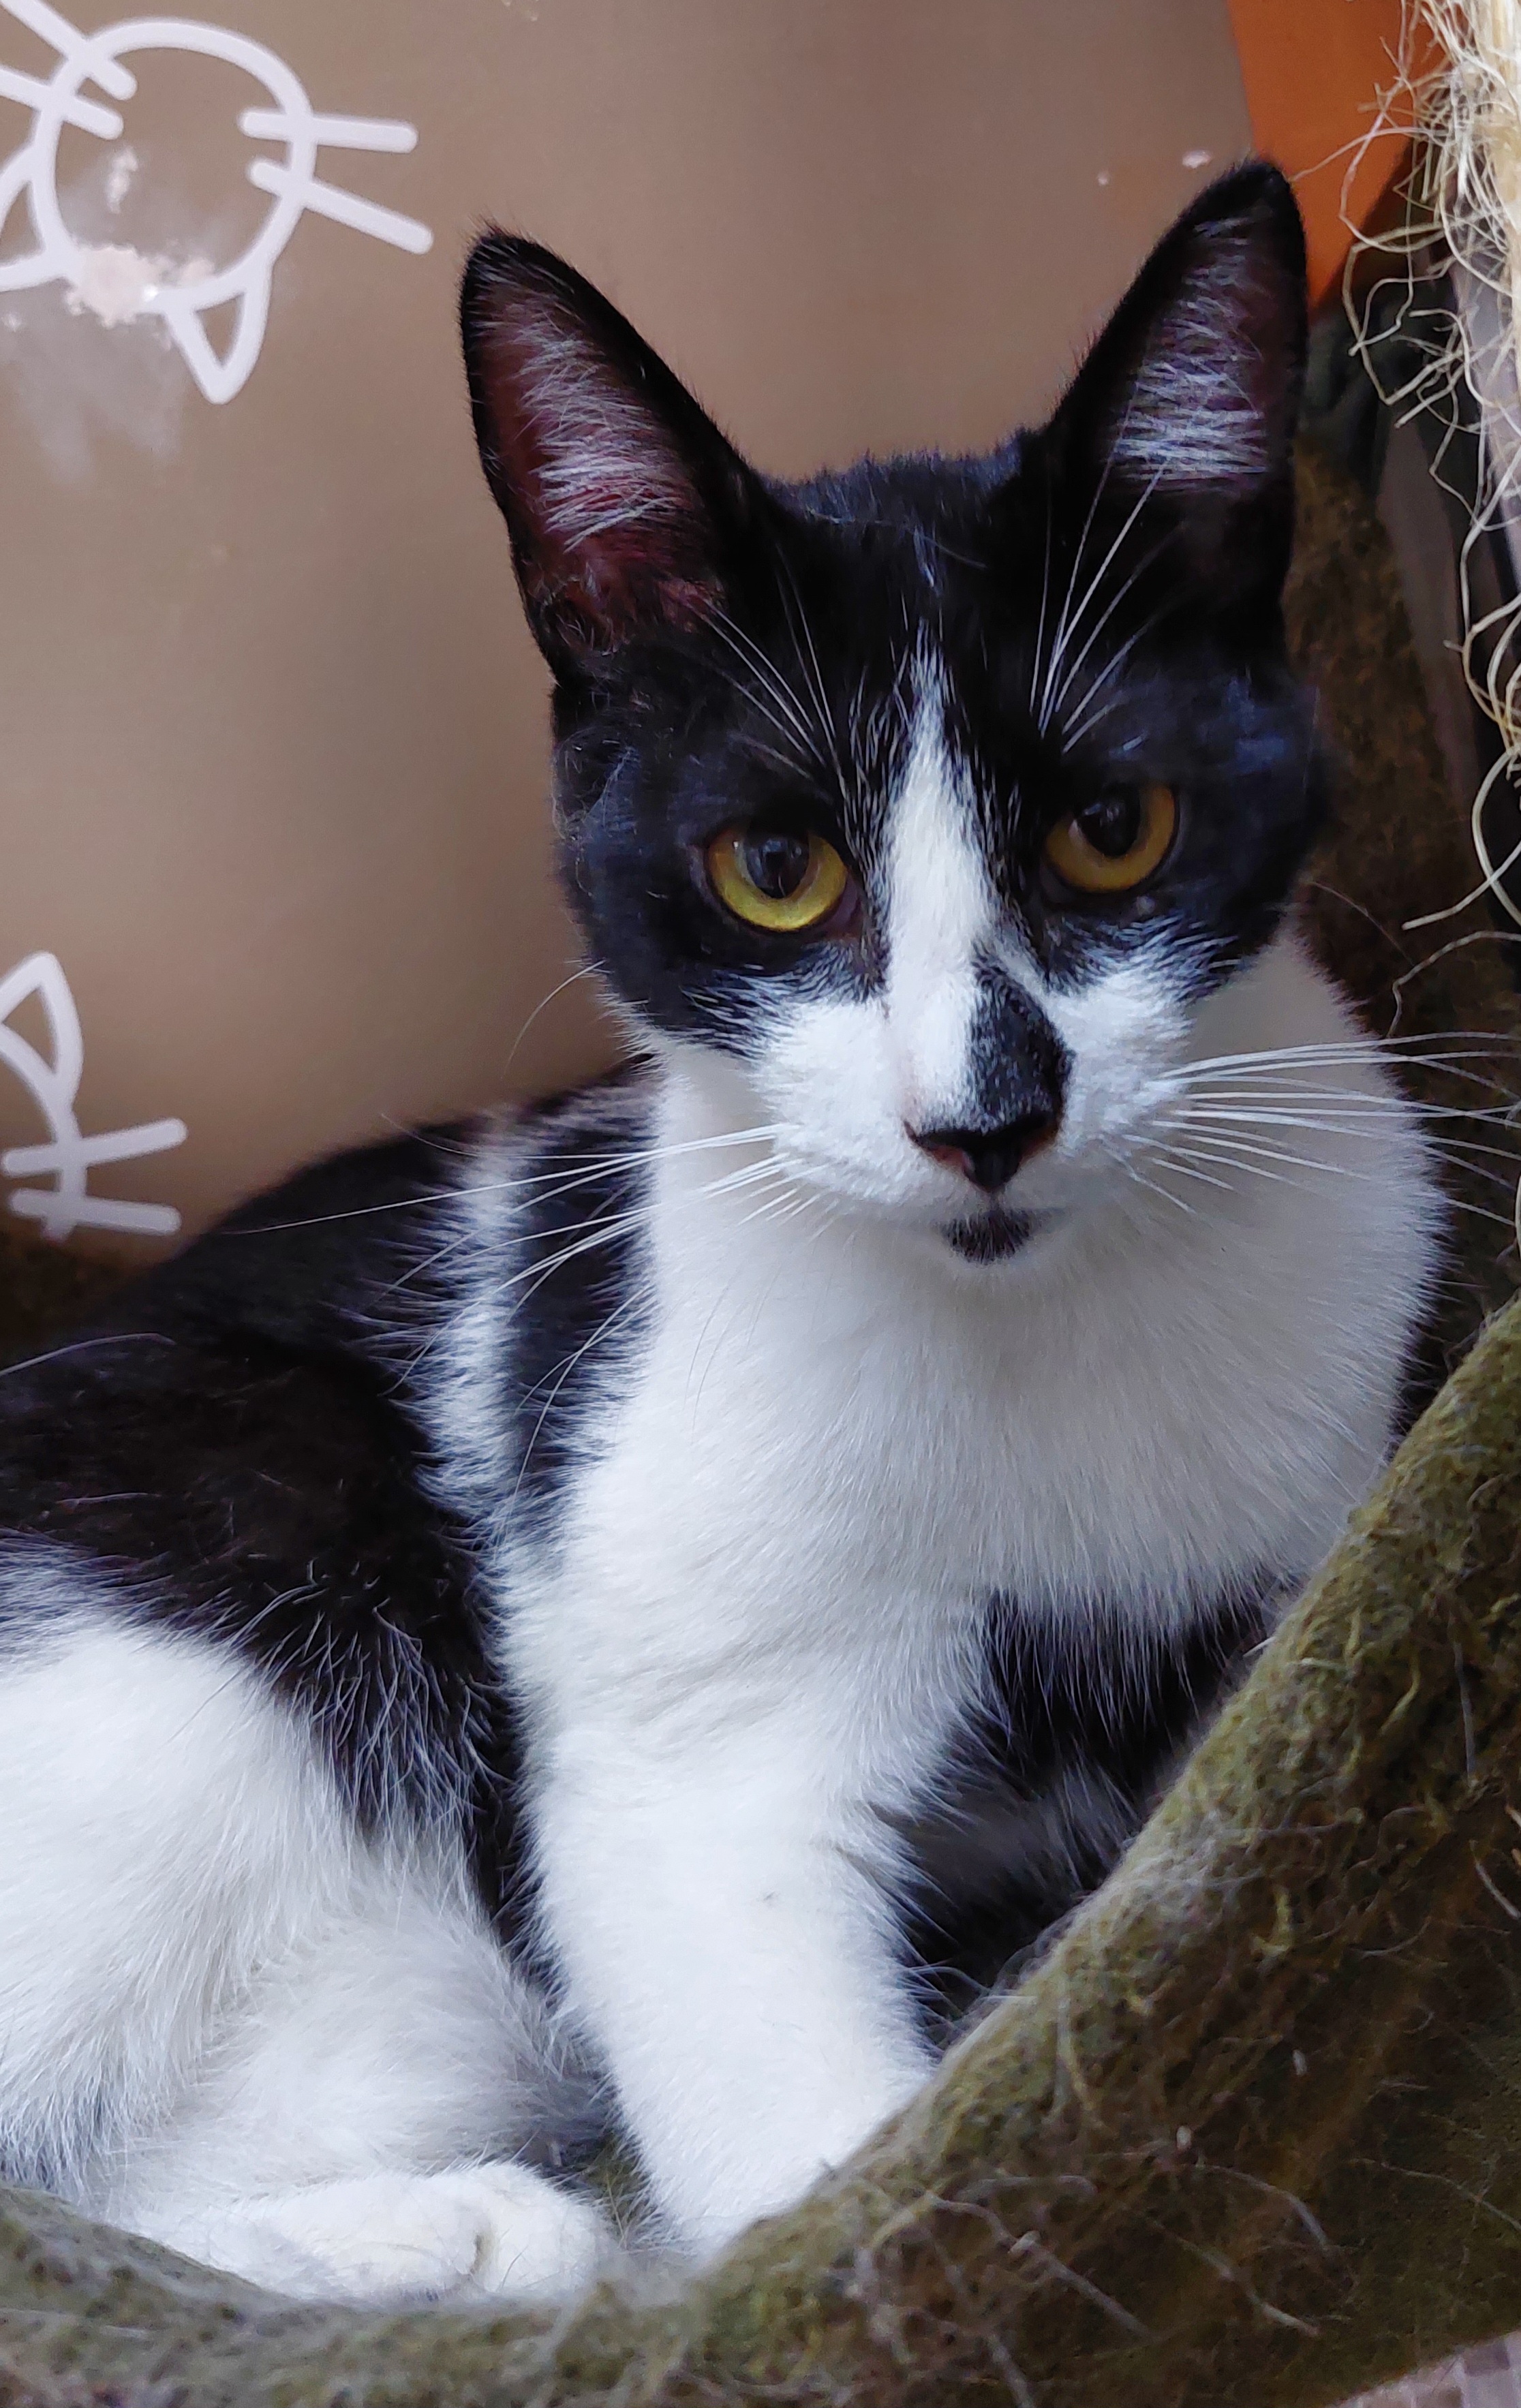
{"x": 615, "y": 524}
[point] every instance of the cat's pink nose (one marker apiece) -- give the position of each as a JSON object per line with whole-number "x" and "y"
{"x": 988, "y": 1157}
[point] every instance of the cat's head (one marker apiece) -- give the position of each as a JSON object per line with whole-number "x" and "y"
{"x": 924, "y": 803}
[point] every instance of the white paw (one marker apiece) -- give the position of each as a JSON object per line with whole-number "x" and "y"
{"x": 485, "y": 2232}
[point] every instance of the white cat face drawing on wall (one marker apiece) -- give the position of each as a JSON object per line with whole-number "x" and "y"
{"x": 180, "y": 296}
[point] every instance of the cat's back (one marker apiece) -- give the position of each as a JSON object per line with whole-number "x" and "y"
{"x": 233, "y": 1458}
{"x": 350, "y": 1276}
{"x": 276, "y": 1330}
{"x": 295, "y": 1437}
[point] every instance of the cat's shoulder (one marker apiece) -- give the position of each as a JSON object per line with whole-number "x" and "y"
{"x": 345, "y": 1259}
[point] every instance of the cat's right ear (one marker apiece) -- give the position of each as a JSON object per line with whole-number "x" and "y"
{"x": 1182, "y": 418}
{"x": 622, "y": 499}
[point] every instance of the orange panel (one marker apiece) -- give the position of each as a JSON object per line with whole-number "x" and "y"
{"x": 1314, "y": 71}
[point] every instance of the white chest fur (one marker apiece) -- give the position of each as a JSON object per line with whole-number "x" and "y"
{"x": 836, "y": 1428}
{"x": 756, "y": 1620}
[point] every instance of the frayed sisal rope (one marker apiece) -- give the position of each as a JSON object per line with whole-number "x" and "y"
{"x": 1456, "y": 97}
{"x": 1461, "y": 108}
{"x": 1247, "y": 2133}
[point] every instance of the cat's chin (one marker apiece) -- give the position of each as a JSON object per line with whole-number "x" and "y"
{"x": 995, "y": 1236}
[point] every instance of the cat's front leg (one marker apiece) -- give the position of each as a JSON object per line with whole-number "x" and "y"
{"x": 724, "y": 1918}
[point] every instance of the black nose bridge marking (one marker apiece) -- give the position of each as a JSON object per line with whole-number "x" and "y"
{"x": 1017, "y": 1065}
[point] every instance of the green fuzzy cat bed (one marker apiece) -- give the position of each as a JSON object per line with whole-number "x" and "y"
{"x": 1251, "y": 2132}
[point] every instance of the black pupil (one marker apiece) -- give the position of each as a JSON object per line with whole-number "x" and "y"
{"x": 777, "y": 862}
{"x": 1113, "y": 824}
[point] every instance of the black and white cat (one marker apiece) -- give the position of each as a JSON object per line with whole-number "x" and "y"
{"x": 625, "y": 1615}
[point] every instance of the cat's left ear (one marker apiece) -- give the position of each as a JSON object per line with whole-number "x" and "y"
{"x": 624, "y": 501}
{"x": 1183, "y": 416}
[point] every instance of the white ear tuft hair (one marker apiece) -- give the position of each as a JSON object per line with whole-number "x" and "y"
{"x": 599, "y": 466}
{"x": 1197, "y": 412}
{"x": 620, "y": 495}
{"x": 1193, "y": 385}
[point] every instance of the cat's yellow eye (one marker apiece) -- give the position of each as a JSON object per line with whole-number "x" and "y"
{"x": 1115, "y": 841}
{"x": 784, "y": 880}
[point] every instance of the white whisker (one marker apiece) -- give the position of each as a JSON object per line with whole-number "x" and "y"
{"x": 1087, "y": 720}
{"x": 1166, "y": 1193}
{"x": 1328, "y": 1124}
{"x": 537, "y": 1187}
{"x": 1045, "y": 595}
{"x": 761, "y": 664}
{"x": 813, "y": 674}
{"x": 1125, "y": 649}
{"x": 1232, "y": 1149}
{"x": 1253, "y": 1159}
{"x": 586, "y": 970}
{"x": 1059, "y": 631}
{"x": 1473, "y": 1046}
{"x": 1176, "y": 1162}
{"x": 599, "y": 1334}
{"x": 1070, "y": 626}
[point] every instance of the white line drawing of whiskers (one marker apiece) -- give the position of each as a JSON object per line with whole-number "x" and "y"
{"x": 69, "y": 1156}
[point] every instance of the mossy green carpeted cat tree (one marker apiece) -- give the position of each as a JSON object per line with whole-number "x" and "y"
{"x": 1252, "y": 2132}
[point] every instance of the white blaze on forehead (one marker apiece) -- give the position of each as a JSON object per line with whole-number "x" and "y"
{"x": 941, "y": 914}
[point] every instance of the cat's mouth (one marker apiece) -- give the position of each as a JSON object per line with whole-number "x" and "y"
{"x": 993, "y": 1235}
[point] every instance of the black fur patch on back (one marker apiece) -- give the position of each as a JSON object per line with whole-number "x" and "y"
{"x": 225, "y": 1457}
